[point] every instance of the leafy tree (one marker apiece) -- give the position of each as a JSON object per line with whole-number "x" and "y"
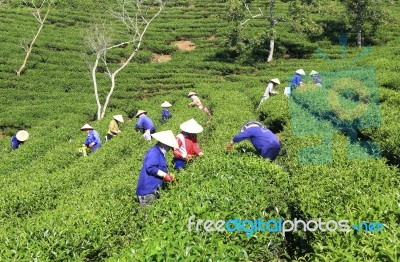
{"x": 237, "y": 13}
{"x": 361, "y": 13}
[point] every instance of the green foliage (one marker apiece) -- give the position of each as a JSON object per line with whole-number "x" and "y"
{"x": 57, "y": 206}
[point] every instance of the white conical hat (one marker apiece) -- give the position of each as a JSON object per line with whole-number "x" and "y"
{"x": 191, "y": 127}
{"x": 313, "y": 72}
{"x": 276, "y": 81}
{"x": 140, "y": 112}
{"x": 300, "y": 72}
{"x": 22, "y": 135}
{"x": 191, "y": 93}
{"x": 167, "y": 138}
{"x": 166, "y": 104}
{"x": 119, "y": 118}
{"x": 86, "y": 126}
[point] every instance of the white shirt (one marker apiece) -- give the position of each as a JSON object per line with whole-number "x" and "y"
{"x": 269, "y": 90}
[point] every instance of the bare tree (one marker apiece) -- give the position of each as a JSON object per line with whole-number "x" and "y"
{"x": 36, "y": 10}
{"x": 136, "y": 15}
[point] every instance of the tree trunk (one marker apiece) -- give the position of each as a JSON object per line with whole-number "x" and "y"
{"x": 32, "y": 43}
{"x": 272, "y": 23}
{"x": 96, "y": 93}
{"x": 359, "y": 23}
{"x": 271, "y": 50}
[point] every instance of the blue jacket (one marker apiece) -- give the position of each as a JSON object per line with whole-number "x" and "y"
{"x": 93, "y": 136}
{"x": 15, "y": 143}
{"x": 148, "y": 180}
{"x": 145, "y": 123}
{"x": 165, "y": 114}
{"x": 317, "y": 79}
{"x": 261, "y": 138}
{"x": 296, "y": 81}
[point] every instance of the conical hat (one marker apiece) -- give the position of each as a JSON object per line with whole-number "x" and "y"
{"x": 191, "y": 93}
{"x": 166, "y": 104}
{"x": 140, "y": 112}
{"x": 119, "y": 118}
{"x": 191, "y": 127}
{"x": 251, "y": 123}
{"x": 300, "y": 72}
{"x": 86, "y": 126}
{"x": 276, "y": 81}
{"x": 166, "y": 137}
{"x": 313, "y": 72}
{"x": 22, "y": 135}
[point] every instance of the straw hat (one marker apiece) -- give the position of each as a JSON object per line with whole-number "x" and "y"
{"x": 300, "y": 72}
{"x": 22, "y": 135}
{"x": 86, "y": 127}
{"x": 119, "y": 118}
{"x": 140, "y": 112}
{"x": 313, "y": 72}
{"x": 191, "y": 127}
{"x": 191, "y": 93}
{"x": 166, "y": 104}
{"x": 276, "y": 81}
{"x": 166, "y": 137}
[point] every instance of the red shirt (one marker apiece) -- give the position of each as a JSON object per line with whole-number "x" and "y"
{"x": 189, "y": 147}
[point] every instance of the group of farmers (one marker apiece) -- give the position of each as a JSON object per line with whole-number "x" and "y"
{"x": 296, "y": 82}
{"x": 154, "y": 171}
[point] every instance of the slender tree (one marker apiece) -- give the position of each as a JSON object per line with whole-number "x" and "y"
{"x": 136, "y": 15}
{"x": 36, "y": 10}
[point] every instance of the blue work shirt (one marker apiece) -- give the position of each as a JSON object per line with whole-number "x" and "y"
{"x": 93, "y": 136}
{"x": 317, "y": 79}
{"x": 15, "y": 143}
{"x": 145, "y": 123}
{"x": 148, "y": 180}
{"x": 261, "y": 138}
{"x": 165, "y": 114}
{"x": 296, "y": 81}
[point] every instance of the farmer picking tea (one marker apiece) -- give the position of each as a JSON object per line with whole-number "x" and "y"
{"x": 296, "y": 81}
{"x": 145, "y": 124}
{"x": 196, "y": 102}
{"x": 266, "y": 143}
{"x": 92, "y": 141}
{"x": 187, "y": 142}
{"x": 113, "y": 127}
{"x": 19, "y": 138}
{"x": 165, "y": 114}
{"x": 316, "y": 78}
{"x": 154, "y": 169}
{"x": 270, "y": 89}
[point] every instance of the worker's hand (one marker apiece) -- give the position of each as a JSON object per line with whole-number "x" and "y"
{"x": 168, "y": 178}
{"x": 201, "y": 154}
{"x": 90, "y": 145}
{"x": 229, "y": 147}
{"x": 189, "y": 157}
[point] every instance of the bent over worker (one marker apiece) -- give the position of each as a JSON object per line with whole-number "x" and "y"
{"x": 113, "y": 127}
{"x": 20, "y": 137}
{"x": 154, "y": 170}
{"x": 187, "y": 142}
{"x": 270, "y": 89}
{"x": 265, "y": 142}
{"x": 92, "y": 141}
{"x": 196, "y": 102}
{"x": 165, "y": 114}
{"x": 145, "y": 125}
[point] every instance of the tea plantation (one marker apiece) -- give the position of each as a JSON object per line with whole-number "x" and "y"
{"x": 56, "y": 205}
